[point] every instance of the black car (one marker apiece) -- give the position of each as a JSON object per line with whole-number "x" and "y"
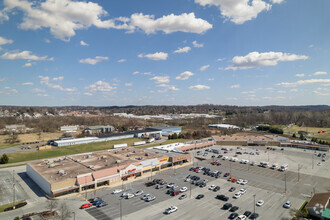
{"x": 247, "y": 213}
{"x": 200, "y": 196}
{"x": 220, "y": 155}
{"x": 102, "y": 205}
{"x": 232, "y": 189}
{"x": 234, "y": 208}
{"x": 254, "y": 216}
{"x": 213, "y": 156}
{"x": 227, "y": 206}
{"x": 217, "y": 188}
{"x": 170, "y": 191}
{"x": 233, "y": 215}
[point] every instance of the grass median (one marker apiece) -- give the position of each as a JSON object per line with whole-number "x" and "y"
{"x": 3, "y": 207}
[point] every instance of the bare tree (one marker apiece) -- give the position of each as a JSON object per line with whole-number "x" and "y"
{"x": 65, "y": 213}
{"x": 51, "y": 204}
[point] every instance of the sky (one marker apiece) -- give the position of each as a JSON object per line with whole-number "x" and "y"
{"x": 174, "y": 52}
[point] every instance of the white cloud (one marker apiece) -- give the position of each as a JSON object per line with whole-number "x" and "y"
{"x": 169, "y": 23}
{"x": 210, "y": 79}
{"x": 320, "y": 73}
{"x": 28, "y": 64}
{"x": 321, "y": 93}
{"x": 83, "y": 43}
{"x": 185, "y": 75}
{"x": 238, "y": 11}
{"x": 204, "y": 67}
{"x": 232, "y": 99}
{"x": 3, "y": 79}
{"x": 300, "y": 75}
{"x": 121, "y": 61}
{"x": 44, "y": 80}
{"x": 293, "y": 90}
{"x": 311, "y": 45}
{"x": 60, "y": 78}
{"x": 4, "y": 41}
{"x": 27, "y": 84}
{"x": 199, "y": 87}
{"x": 273, "y": 98}
{"x": 136, "y": 72}
{"x": 146, "y": 73}
{"x": 281, "y": 91}
{"x": 93, "y": 61}
{"x": 37, "y": 90}
{"x": 88, "y": 94}
{"x": 154, "y": 56}
{"x": 24, "y": 55}
{"x": 167, "y": 88}
{"x": 161, "y": 79}
{"x": 303, "y": 82}
{"x": 195, "y": 44}
{"x": 100, "y": 86}
{"x": 47, "y": 40}
{"x": 235, "y": 86}
{"x": 182, "y": 50}
{"x": 256, "y": 59}
{"x": 128, "y": 84}
{"x": 42, "y": 95}
{"x": 248, "y": 92}
{"x": 277, "y": 1}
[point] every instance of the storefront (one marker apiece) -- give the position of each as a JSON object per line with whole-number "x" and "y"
{"x": 184, "y": 158}
{"x": 150, "y": 164}
{"x": 130, "y": 171}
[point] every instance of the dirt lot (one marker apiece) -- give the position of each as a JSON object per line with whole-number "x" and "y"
{"x": 32, "y": 137}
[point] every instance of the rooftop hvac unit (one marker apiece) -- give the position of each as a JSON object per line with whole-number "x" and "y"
{"x": 147, "y": 154}
{"x": 60, "y": 171}
{"x": 51, "y": 165}
{"x": 104, "y": 157}
{"x": 116, "y": 152}
{"x": 78, "y": 160}
{"x": 90, "y": 166}
{"x": 106, "y": 161}
{"x": 118, "y": 161}
{"x": 128, "y": 155}
{"x": 134, "y": 151}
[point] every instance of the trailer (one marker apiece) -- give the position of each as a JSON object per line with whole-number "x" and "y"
{"x": 151, "y": 140}
{"x": 119, "y": 145}
{"x": 274, "y": 166}
{"x": 139, "y": 143}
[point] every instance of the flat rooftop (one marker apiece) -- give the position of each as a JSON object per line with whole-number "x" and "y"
{"x": 78, "y": 164}
{"x": 247, "y": 137}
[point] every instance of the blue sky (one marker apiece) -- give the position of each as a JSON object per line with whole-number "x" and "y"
{"x": 176, "y": 52}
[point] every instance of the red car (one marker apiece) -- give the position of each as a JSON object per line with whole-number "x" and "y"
{"x": 86, "y": 205}
{"x": 234, "y": 180}
{"x": 214, "y": 163}
{"x": 227, "y": 174}
{"x": 174, "y": 193}
{"x": 196, "y": 169}
{"x": 225, "y": 152}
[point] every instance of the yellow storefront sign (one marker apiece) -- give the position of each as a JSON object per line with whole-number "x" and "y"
{"x": 163, "y": 160}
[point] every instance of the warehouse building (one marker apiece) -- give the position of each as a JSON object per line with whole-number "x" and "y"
{"x": 99, "y": 129}
{"x": 76, "y": 173}
{"x": 247, "y": 140}
{"x": 167, "y": 130}
{"x": 146, "y": 133}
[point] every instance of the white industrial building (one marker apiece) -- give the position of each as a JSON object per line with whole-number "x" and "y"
{"x": 225, "y": 126}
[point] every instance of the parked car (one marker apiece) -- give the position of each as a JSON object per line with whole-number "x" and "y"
{"x": 174, "y": 193}
{"x": 212, "y": 187}
{"x": 260, "y": 202}
{"x": 233, "y": 215}
{"x": 226, "y": 174}
{"x": 117, "y": 191}
{"x": 102, "y": 205}
{"x": 232, "y": 189}
{"x": 139, "y": 192}
{"x": 145, "y": 196}
{"x": 242, "y": 191}
{"x": 234, "y": 208}
{"x": 222, "y": 197}
{"x": 170, "y": 185}
{"x": 183, "y": 189}
{"x": 254, "y": 216}
{"x": 287, "y": 204}
{"x": 159, "y": 186}
{"x": 217, "y": 188}
{"x": 183, "y": 196}
{"x": 129, "y": 196}
{"x": 237, "y": 195}
{"x": 200, "y": 196}
{"x": 227, "y": 206}
{"x": 86, "y": 205}
{"x": 244, "y": 182}
{"x": 171, "y": 209}
{"x": 247, "y": 213}
{"x": 98, "y": 202}
{"x": 150, "y": 198}
{"x": 241, "y": 217}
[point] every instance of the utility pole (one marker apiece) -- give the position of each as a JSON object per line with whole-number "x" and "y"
{"x": 313, "y": 161}
{"x": 86, "y": 188}
{"x": 121, "y": 210}
{"x": 190, "y": 190}
{"x": 230, "y": 169}
{"x": 151, "y": 172}
{"x": 13, "y": 189}
{"x": 254, "y": 204}
{"x": 285, "y": 182}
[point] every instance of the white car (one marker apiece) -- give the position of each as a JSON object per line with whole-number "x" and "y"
{"x": 244, "y": 182}
{"x": 287, "y": 204}
{"x": 124, "y": 194}
{"x": 171, "y": 209}
{"x": 129, "y": 196}
{"x": 139, "y": 192}
{"x": 241, "y": 217}
{"x": 319, "y": 164}
{"x": 239, "y": 181}
{"x": 187, "y": 180}
{"x": 242, "y": 191}
{"x": 145, "y": 196}
{"x": 237, "y": 195}
{"x": 117, "y": 191}
{"x": 225, "y": 158}
{"x": 170, "y": 185}
{"x": 212, "y": 187}
{"x": 260, "y": 203}
{"x": 183, "y": 189}
{"x": 150, "y": 198}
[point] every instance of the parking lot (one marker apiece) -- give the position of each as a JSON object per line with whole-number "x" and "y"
{"x": 272, "y": 186}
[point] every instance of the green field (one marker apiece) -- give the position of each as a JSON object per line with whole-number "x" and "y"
{"x": 313, "y": 131}
{"x": 6, "y": 145}
{"x": 81, "y": 148}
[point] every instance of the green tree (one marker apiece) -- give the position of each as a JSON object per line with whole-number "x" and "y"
{"x": 4, "y": 159}
{"x": 294, "y": 135}
{"x": 174, "y": 136}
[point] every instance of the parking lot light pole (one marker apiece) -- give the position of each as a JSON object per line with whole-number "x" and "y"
{"x": 285, "y": 182}
{"x": 74, "y": 215}
{"x": 230, "y": 169}
{"x": 312, "y": 161}
{"x": 254, "y": 204}
{"x": 190, "y": 190}
{"x": 121, "y": 210}
{"x": 299, "y": 167}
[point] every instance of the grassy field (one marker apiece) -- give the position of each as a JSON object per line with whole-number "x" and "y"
{"x": 32, "y": 137}
{"x": 311, "y": 130}
{"x": 81, "y": 148}
{"x": 67, "y": 150}
{"x": 6, "y": 145}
